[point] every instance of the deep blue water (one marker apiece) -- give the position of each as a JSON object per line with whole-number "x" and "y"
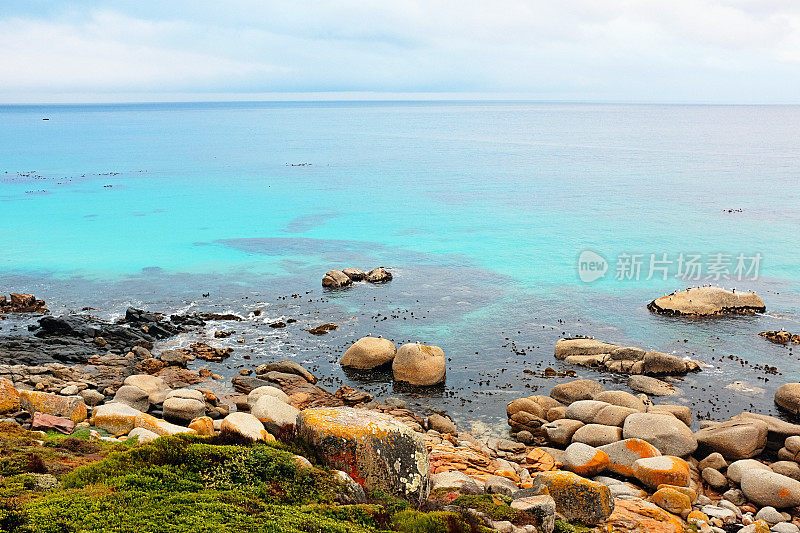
{"x": 481, "y": 210}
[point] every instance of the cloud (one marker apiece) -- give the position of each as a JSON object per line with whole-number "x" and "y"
{"x": 615, "y": 49}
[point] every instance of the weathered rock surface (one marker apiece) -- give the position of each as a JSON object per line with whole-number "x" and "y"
{"x": 665, "y": 432}
{"x": 419, "y": 364}
{"x": 735, "y": 439}
{"x": 71, "y": 407}
{"x": 663, "y": 470}
{"x": 368, "y": 353}
{"x": 336, "y": 279}
{"x": 576, "y": 498}
{"x": 788, "y": 397}
{"x": 627, "y": 360}
{"x": 378, "y": 275}
{"x": 707, "y": 301}
{"x": 768, "y": 488}
{"x": 245, "y": 425}
{"x": 184, "y": 405}
{"x": 584, "y": 460}
{"x": 623, "y": 455}
{"x": 375, "y": 449}
{"x": 275, "y": 414}
{"x": 650, "y": 386}
{"x": 9, "y": 397}
{"x": 572, "y": 391}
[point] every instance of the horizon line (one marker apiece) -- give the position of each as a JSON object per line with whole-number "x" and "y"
{"x": 66, "y": 99}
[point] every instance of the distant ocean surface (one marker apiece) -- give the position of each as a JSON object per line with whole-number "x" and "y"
{"x": 481, "y": 210}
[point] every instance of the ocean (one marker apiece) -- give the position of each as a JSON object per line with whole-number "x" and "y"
{"x": 480, "y": 209}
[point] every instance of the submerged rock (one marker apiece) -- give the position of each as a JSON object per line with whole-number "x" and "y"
{"x": 373, "y": 448}
{"x": 707, "y": 301}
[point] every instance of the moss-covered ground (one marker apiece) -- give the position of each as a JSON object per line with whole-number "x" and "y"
{"x": 58, "y": 484}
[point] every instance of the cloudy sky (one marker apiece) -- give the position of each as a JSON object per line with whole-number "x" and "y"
{"x": 591, "y": 50}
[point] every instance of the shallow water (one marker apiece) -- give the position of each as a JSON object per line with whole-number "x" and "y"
{"x": 480, "y": 209}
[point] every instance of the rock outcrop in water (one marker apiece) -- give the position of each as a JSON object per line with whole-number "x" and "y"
{"x": 339, "y": 279}
{"x": 22, "y": 303}
{"x": 781, "y": 337}
{"x": 707, "y": 302}
{"x": 626, "y": 360}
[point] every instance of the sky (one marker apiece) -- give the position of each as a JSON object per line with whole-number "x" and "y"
{"x": 704, "y": 51}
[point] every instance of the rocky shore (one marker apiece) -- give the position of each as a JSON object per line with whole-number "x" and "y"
{"x": 582, "y": 457}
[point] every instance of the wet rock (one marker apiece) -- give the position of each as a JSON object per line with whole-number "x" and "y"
{"x": 651, "y": 386}
{"x": 707, "y": 301}
{"x": 245, "y": 425}
{"x": 175, "y": 358}
{"x": 133, "y": 396}
{"x": 276, "y": 415}
{"x": 375, "y": 449}
{"x": 576, "y": 498}
{"x": 336, "y": 279}
{"x": 419, "y": 364}
{"x": 22, "y": 303}
{"x": 354, "y": 274}
{"x": 780, "y": 337}
{"x": 663, "y": 470}
{"x": 287, "y": 366}
{"x": 442, "y": 424}
{"x": 768, "y": 488}
{"x": 735, "y": 439}
{"x": 379, "y": 275}
{"x": 351, "y": 396}
{"x": 368, "y": 353}
{"x": 788, "y": 397}
{"x": 323, "y": 329}
{"x": 623, "y": 455}
{"x": 71, "y": 407}
{"x": 582, "y": 346}
{"x": 581, "y": 389}
{"x": 657, "y": 363}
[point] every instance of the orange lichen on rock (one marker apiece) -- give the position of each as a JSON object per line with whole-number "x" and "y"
{"x": 672, "y": 500}
{"x": 539, "y": 460}
{"x": 637, "y": 516}
{"x": 664, "y": 470}
{"x": 623, "y": 454}
{"x": 576, "y": 498}
{"x": 71, "y": 407}
{"x": 9, "y": 397}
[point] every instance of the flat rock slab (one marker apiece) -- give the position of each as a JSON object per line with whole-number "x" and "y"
{"x": 706, "y": 302}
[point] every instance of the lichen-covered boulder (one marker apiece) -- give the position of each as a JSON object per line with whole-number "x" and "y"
{"x": 203, "y": 425}
{"x": 116, "y": 418}
{"x": 640, "y": 515}
{"x": 622, "y": 455}
{"x": 672, "y": 500}
{"x": 368, "y": 353}
{"x": 419, "y": 364}
{"x": 184, "y": 405}
{"x": 577, "y": 498}
{"x": 584, "y": 460}
{"x": 375, "y": 449}
{"x": 9, "y": 397}
{"x": 71, "y": 407}
{"x": 158, "y": 426}
{"x": 663, "y": 470}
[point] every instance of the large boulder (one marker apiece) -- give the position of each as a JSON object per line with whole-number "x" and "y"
{"x": 622, "y": 455}
{"x": 245, "y": 425}
{"x": 266, "y": 390}
{"x": 707, "y": 301}
{"x": 374, "y": 448}
{"x": 156, "y": 388}
{"x": 582, "y": 346}
{"x": 662, "y": 470}
{"x": 541, "y": 510}
{"x": 71, "y": 407}
{"x": 597, "y": 434}
{"x": 662, "y": 363}
{"x": 133, "y": 396}
{"x": 9, "y": 397}
{"x": 735, "y": 439}
{"x": 561, "y": 431}
{"x": 788, "y": 397}
{"x": 622, "y": 399}
{"x": 665, "y": 432}
{"x": 577, "y": 498}
{"x": 768, "y": 488}
{"x": 651, "y": 386}
{"x": 368, "y": 353}
{"x": 275, "y": 414}
{"x": 572, "y": 391}
{"x": 584, "y": 410}
{"x": 737, "y": 469}
{"x": 158, "y": 426}
{"x": 354, "y": 273}
{"x": 336, "y": 279}
{"x": 116, "y": 418}
{"x": 419, "y": 364}
{"x": 639, "y": 515}
{"x": 584, "y": 460}
{"x": 184, "y": 405}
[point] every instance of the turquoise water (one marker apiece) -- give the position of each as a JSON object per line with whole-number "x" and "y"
{"x": 481, "y": 209}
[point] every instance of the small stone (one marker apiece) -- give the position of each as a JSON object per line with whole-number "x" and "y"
{"x": 713, "y": 460}
{"x": 770, "y": 515}
{"x": 672, "y": 500}
{"x": 714, "y": 478}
